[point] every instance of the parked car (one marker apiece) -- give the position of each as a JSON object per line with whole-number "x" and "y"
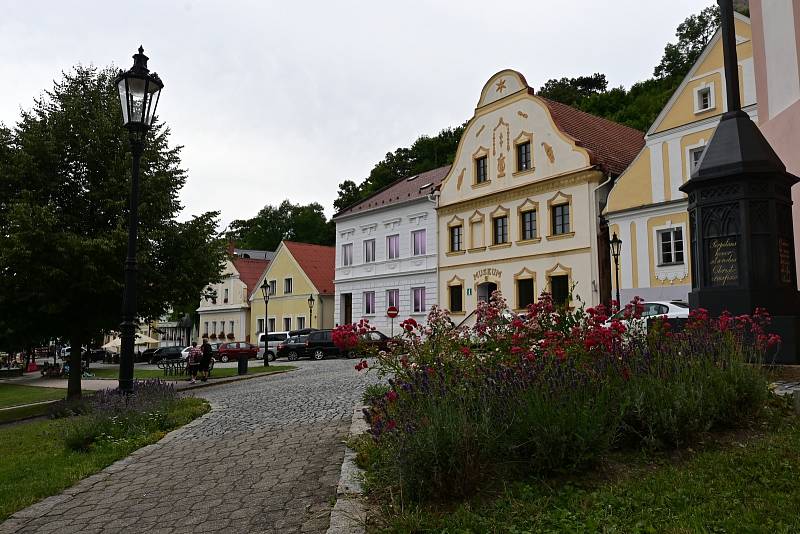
{"x": 376, "y": 340}
{"x": 319, "y": 345}
{"x": 100, "y": 355}
{"x": 66, "y": 351}
{"x": 237, "y": 350}
{"x": 145, "y": 355}
{"x": 673, "y": 309}
{"x": 275, "y": 339}
{"x": 293, "y": 348}
{"x": 166, "y": 353}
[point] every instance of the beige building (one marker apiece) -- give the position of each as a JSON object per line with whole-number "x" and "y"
{"x": 298, "y": 271}
{"x": 646, "y": 209}
{"x": 519, "y": 209}
{"x": 226, "y": 317}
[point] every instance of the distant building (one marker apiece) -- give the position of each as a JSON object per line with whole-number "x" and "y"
{"x": 776, "y": 52}
{"x": 297, "y": 271}
{"x": 386, "y": 252}
{"x": 645, "y": 207}
{"x": 225, "y": 316}
{"x": 519, "y": 209}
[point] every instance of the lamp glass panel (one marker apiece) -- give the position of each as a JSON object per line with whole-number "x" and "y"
{"x": 154, "y": 91}
{"x": 123, "y": 100}
{"x": 136, "y": 98}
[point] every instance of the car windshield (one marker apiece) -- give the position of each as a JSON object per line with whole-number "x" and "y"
{"x": 680, "y": 304}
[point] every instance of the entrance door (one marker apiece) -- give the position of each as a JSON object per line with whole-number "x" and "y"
{"x": 485, "y": 291}
{"x": 347, "y": 308}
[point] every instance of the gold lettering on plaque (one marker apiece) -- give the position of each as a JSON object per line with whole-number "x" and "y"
{"x": 723, "y": 261}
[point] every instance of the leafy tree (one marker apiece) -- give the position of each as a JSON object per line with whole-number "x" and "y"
{"x": 693, "y": 34}
{"x": 572, "y": 91}
{"x": 349, "y": 194}
{"x": 65, "y": 185}
{"x": 272, "y": 224}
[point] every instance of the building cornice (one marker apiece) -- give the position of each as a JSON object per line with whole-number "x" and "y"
{"x": 552, "y": 183}
{"x": 648, "y": 208}
{"x": 384, "y": 275}
{"x": 346, "y": 217}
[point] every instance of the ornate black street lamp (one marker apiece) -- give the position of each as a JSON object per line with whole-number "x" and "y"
{"x": 616, "y": 248}
{"x": 265, "y": 293}
{"x": 310, "y": 308}
{"x": 138, "y": 93}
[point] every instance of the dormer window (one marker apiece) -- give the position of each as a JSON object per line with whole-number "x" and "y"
{"x": 481, "y": 174}
{"x": 524, "y": 156}
{"x": 704, "y": 98}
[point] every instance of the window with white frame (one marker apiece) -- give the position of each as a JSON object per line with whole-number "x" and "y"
{"x": 418, "y": 242}
{"x": 271, "y": 324}
{"x": 369, "y": 251}
{"x": 213, "y": 327}
{"x": 273, "y": 287}
{"x": 287, "y": 323}
{"x": 418, "y": 294}
{"x": 206, "y": 329}
{"x": 260, "y": 325}
{"x": 230, "y": 327}
{"x": 347, "y": 254}
{"x": 393, "y": 298}
{"x": 694, "y": 157}
{"x": 704, "y": 98}
{"x": 670, "y": 243}
{"x": 226, "y": 296}
{"x": 301, "y": 322}
{"x": 393, "y": 247}
{"x": 287, "y": 286}
{"x": 369, "y": 302}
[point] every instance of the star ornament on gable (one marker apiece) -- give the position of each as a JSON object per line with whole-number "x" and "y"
{"x": 501, "y": 86}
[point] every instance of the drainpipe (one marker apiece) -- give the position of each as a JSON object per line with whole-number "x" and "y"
{"x": 433, "y": 197}
{"x": 595, "y": 193}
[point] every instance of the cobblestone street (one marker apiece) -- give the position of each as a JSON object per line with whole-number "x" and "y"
{"x": 265, "y": 459}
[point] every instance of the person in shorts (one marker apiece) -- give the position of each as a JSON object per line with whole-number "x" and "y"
{"x": 193, "y": 361}
{"x": 205, "y": 360}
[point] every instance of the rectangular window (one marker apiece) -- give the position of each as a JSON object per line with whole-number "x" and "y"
{"x": 456, "y": 238}
{"x": 418, "y": 242}
{"x": 559, "y": 289}
{"x": 561, "y": 219}
{"x": 347, "y": 254}
{"x": 230, "y": 327}
{"x": 226, "y": 296}
{"x": 301, "y": 322}
{"x": 500, "y": 230}
{"x": 206, "y": 329}
{"x": 476, "y": 231}
{"x": 524, "y": 293}
{"x": 369, "y": 251}
{"x": 273, "y": 287}
{"x": 704, "y": 98}
{"x": 671, "y": 246}
{"x": 456, "y": 298}
{"x": 480, "y": 170}
{"x": 287, "y": 286}
{"x": 271, "y": 324}
{"x": 213, "y": 327}
{"x": 419, "y": 299}
{"x": 260, "y": 325}
{"x": 694, "y": 155}
{"x": 369, "y": 302}
{"x": 528, "y": 224}
{"x": 524, "y": 156}
{"x": 287, "y": 323}
{"x": 393, "y": 247}
{"x": 393, "y": 298}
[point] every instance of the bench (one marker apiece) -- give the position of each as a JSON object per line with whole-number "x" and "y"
{"x": 177, "y": 367}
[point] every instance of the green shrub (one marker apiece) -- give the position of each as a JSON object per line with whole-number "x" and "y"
{"x": 374, "y": 392}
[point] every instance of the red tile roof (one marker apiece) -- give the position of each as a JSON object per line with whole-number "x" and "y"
{"x": 317, "y": 261}
{"x": 250, "y": 271}
{"x": 611, "y": 145}
{"x": 402, "y": 190}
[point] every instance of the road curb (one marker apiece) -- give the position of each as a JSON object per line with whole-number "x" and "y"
{"x": 349, "y": 514}
{"x": 227, "y": 380}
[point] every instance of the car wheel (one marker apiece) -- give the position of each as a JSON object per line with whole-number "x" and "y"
{"x": 259, "y": 356}
{"x": 271, "y": 356}
{"x": 293, "y": 356}
{"x": 224, "y": 358}
{"x": 319, "y": 354}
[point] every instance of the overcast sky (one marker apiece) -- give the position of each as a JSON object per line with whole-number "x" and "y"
{"x": 276, "y": 100}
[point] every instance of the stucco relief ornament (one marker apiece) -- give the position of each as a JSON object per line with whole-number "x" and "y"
{"x": 671, "y": 277}
{"x": 500, "y": 86}
{"x": 501, "y": 166}
{"x": 460, "y": 179}
{"x": 548, "y": 150}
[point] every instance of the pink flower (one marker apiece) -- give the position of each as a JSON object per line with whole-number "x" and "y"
{"x": 391, "y": 396}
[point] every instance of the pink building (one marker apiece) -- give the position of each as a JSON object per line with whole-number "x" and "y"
{"x": 776, "y": 56}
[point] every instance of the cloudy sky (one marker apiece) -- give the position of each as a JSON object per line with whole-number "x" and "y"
{"x": 276, "y": 100}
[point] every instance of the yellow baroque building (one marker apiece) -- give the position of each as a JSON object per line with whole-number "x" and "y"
{"x": 519, "y": 209}
{"x": 645, "y": 208}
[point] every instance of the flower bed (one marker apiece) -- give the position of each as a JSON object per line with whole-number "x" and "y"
{"x": 552, "y": 391}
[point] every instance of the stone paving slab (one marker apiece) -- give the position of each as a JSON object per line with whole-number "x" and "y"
{"x": 267, "y": 458}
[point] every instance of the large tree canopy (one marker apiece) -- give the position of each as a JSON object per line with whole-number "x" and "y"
{"x": 273, "y": 224}
{"x": 64, "y": 187}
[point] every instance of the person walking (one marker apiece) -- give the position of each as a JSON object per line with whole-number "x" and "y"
{"x": 205, "y": 360}
{"x": 193, "y": 361}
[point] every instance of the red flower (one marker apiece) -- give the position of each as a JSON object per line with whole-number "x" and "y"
{"x": 391, "y": 425}
{"x": 391, "y": 396}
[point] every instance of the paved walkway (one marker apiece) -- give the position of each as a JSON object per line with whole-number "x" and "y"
{"x": 265, "y": 459}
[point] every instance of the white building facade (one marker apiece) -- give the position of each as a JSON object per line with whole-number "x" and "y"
{"x": 386, "y": 254}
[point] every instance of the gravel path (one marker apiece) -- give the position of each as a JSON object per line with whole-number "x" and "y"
{"x": 265, "y": 459}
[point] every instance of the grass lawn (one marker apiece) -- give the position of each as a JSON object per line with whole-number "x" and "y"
{"x": 218, "y": 372}
{"x": 16, "y": 394}
{"x": 36, "y": 462}
{"x": 748, "y": 484}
